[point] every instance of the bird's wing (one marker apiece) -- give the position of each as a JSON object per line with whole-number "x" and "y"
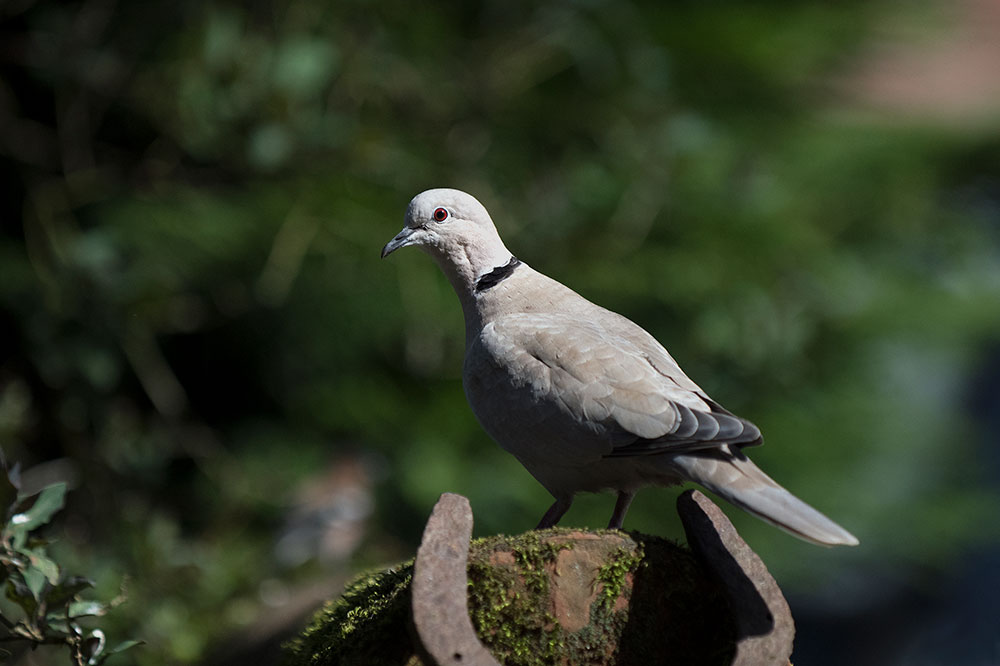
{"x": 615, "y": 384}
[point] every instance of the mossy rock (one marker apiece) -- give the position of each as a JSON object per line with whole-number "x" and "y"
{"x": 551, "y": 597}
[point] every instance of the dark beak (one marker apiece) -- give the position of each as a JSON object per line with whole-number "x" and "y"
{"x": 402, "y": 239}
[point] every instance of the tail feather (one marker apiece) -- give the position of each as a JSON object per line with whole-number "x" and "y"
{"x": 738, "y": 480}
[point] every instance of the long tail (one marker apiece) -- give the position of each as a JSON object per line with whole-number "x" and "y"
{"x": 738, "y": 480}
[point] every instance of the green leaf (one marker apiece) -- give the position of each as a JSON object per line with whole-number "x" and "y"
{"x": 59, "y": 595}
{"x": 46, "y": 504}
{"x": 92, "y": 646}
{"x": 57, "y": 624}
{"x": 87, "y": 609}
{"x": 35, "y": 580}
{"x": 121, "y": 647}
{"x": 14, "y": 476}
{"x": 42, "y": 564}
{"x": 9, "y": 482}
{"x": 19, "y": 592}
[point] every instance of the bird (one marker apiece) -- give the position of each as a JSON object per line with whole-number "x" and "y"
{"x": 584, "y": 398}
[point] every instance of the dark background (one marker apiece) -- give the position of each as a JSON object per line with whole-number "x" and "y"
{"x": 800, "y": 199}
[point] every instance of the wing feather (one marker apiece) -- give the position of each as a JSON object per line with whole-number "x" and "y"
{"x": 614, "y": 380}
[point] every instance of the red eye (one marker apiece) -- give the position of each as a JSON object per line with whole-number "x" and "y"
{"x": 440, "y": 214}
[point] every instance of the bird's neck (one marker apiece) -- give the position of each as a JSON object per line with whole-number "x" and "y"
{"x": 496, "y": 276}
{"x": 465, "y": 264}
{"x": 477, "y": 272}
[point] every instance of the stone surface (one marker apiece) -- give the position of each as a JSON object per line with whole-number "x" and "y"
{"x": 603, "y": 598}
{"x": 560, "y": 596}
{"x": 574, "y": 584}
{"x": 765, "y": 630}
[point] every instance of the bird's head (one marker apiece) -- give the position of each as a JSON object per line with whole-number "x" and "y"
{"x": 455, "y": 229}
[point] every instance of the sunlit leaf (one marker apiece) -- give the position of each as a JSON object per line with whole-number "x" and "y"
{"x": 58, "y": 624}
{"x": 92, "y": 646}
{"x": 44, "y": 565}
{"x": 87, "y": 609}
{"x": 18, "y": 537}
{"x": 35, "y": 579}
{"x": 45, "y": 505}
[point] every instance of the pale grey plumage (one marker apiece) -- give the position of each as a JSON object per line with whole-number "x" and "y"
{"x": 583, "y": 397}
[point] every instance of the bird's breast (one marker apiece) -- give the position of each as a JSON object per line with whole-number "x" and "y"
{"x": 513, "y": 398}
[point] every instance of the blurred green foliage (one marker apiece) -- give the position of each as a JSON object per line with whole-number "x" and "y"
{"x": 195, "y": 320}
{"x": 46, "y": 606}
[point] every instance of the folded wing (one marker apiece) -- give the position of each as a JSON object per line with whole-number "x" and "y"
{"x": 615, "y": 381}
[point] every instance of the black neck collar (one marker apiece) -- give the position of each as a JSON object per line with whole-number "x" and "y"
{"x": 497, "y": 275}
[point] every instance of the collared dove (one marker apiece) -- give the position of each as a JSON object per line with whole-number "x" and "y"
{"x": 584, "y": 398}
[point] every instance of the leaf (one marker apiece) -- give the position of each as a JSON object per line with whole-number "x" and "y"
{"x": 8, "y": 487}
{"x": 46, "y": 504}
{"x": 35, "y": 580}
{"x": 18, "y": 539}
{"x": 124, "y": 645}
{"x": 59, "y": 594}
{"x": 19, "y": 592}
{"x": 57, "y": 624}
{"x": 43, "y": 564}
{"x": 121, "y": 647}
{"x": 14, "y": 476}
{"x": 86, "y": 608}
{"x": 92, "y": 646}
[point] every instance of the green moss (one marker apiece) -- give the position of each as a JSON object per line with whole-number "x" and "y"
{"x": 367, "y": 626}
{"x": 649, "y": 598}
{"x": 612, "y": 576}
{"x": 510, "y": 606}
{"x": 598, "y": 641}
